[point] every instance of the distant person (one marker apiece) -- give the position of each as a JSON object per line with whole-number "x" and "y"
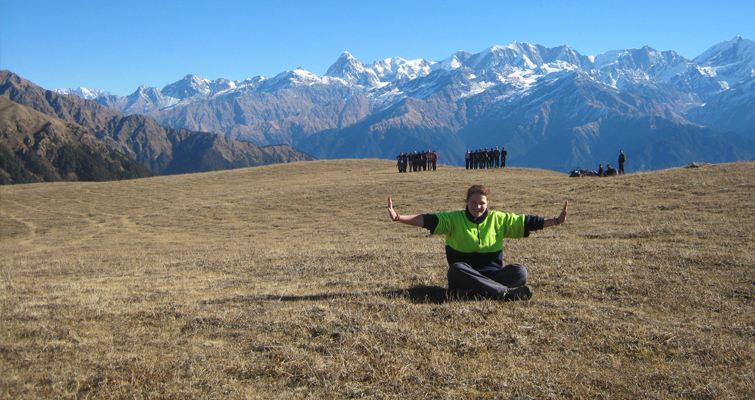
{"x": 468, "y": 158}
{"x": 400, "y": 162}
{"x": 611, "y": 171}
{"x": 474, "y": 245}
{"x": 622, "y": 159}
{"x": 496, "y": 157}
{"x": 601, "y": 172}
{"x": 504, "y": 153}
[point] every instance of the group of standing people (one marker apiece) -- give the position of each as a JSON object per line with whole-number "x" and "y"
{"x": 417, "y": 161}
{"x": 484, "y": 158}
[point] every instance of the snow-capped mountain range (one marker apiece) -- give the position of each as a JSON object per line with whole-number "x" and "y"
{"x": 522, "y": 96}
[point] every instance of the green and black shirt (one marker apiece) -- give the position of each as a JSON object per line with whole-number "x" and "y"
{"x": 479, "y": 241}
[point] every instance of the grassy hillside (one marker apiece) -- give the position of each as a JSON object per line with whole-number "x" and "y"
{"x": 289, "y": 281}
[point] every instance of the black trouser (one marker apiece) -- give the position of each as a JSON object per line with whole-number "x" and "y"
{"x": 491, "y": 281}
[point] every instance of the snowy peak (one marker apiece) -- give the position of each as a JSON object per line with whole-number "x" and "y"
{"x": 644, "y": 59}
{"x": 291, "y": 78}
{"x": 519, "y": 62}
{"x": 195, "y": 87}
{"x": 84, "y": 93}
{"x": 647, "y": 58}
{"x": 523, "y": 56}
{"x": 456, "y": 61}
{"x": 663, "y": 65}
{"x": 731, "y": 62}
{"x": 145, "y": 93}
{"x": 726, "y": 52}
{"x": 515, "y": 54}
{"x": 514, "y": 69}
{"x": 190, "y": 86}
{"x": 397, "y": 69}
{"x": 345, "y": 64}
{"x": 347, "y": 68}
{"x": 378, "y": 74}
{"x": 301, "y": 75}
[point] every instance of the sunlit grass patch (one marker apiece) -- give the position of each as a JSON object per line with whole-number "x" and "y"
{"x": 290, "y": 281}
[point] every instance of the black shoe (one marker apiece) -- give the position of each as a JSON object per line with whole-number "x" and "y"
{"x": 520, "y": 293}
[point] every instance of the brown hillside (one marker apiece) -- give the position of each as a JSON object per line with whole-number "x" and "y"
{"x": 20, "y": 124}
{"x": 289, "y": 281}
{"x": 35, "y": 147}
{"x": 162, "y": 150}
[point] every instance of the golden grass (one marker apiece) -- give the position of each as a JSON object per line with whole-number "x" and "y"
{"x": 289, "y": 281}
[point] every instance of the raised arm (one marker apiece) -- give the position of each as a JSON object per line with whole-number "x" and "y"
{"x": 416, "y": 220}
{"x": 557, "y": 220}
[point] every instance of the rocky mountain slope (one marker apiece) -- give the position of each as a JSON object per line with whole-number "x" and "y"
{"x": 35, "y": 147}
{"x": 163, "y": 150}
{"x": 662, "y": 109}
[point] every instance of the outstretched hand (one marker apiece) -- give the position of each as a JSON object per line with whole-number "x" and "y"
{"x": 562, "y": 216}
{"x": 391, "y": 212}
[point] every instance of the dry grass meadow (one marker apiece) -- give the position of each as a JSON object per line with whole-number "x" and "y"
{"x": 290, "y": 282}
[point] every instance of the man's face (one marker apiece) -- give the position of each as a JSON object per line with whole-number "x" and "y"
{"x": 477, "y": 204}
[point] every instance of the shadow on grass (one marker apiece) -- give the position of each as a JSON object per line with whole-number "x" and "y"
{"x": 420, "y": 294}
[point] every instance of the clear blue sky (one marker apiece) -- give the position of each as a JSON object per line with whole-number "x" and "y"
{"x": 116, "y": 45}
